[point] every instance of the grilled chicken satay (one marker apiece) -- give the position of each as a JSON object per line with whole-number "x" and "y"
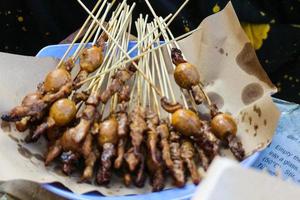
{"x": 187, "y": 153}
{"x": 152, "y": 135}
{"x": 152, "y": 122}
{"x": 163, "y": 132}
{"x": 203, "y": 159}
{"x": 107, "y": 140}
{"x": 187, "y": 123}
{"x": 90, "y": 59}
{"x": 131, "y": 159}
{"x": 61, "y": 113}
{"x": 140, "y": 178}
{"x": 156, "y": 172}
{"x": 134, "y": 156}
{"x": 186, "y": 75}
{"x": 90, "y": 155}
{"x": 138, "y": 126}
{"x": 154, "y": 162}
{"x": 56, "y": 85}
{"x": 123, "y": 125}
{"x": 178, "y": 167}
{"x": 73, "y": 138}
{"x": 225, "y": 128}
{"x": 118, "y": 81}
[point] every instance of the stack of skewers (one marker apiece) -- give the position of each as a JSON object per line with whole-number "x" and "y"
{"x": 119, "y": 114}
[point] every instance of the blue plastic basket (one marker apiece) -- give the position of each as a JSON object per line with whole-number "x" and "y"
{"x": 57, "y": 51}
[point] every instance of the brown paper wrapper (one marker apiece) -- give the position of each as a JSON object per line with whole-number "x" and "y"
{"x": 228, "y": 66}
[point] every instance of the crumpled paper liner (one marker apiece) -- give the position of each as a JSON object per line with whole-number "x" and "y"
{"x": 228, "y": 66}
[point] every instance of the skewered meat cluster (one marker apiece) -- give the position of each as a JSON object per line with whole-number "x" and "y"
{"x": 209, "y": 136}
{"x": 134, "y": 139}
{"x": 186, "y": 75}
{"x": 137, "y": 145}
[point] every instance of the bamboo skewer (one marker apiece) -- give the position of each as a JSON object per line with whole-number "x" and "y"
{"x": 88, "y": 31}
{"x": 125, "y": 51}
{"x": 200, "y": 84}
{"x": 77, "y": 35}
{"x": 167, "y": 39}
{"x": 122, "y": 63}
{"x": 110, "y": 50}
{"x": 164, "y": 28}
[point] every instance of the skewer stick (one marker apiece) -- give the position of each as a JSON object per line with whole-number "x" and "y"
{"x": 108, "y": 63}
{"x": 150, "y": 57}
{"x": 200, "y": 85}
{"x": 78, "y": 34}
{"x": 89, "y": 29}
{"x": 118, "y": 55}
{"x": 171, "y": 20}
{"x": 164, "y": 69}
{"x": 151, "y": 75}
{"x": 119, "y": 30}
{"x": 96, "y": 83}
{"x": 155, "y": 62}
{"x": 164, "y": 84}
{"x": 99, "y": 29}
{"x": 96, "y": 36}
{"x": 163, "y": 28}
{"x": 143, "y": 23}
{"x": 125, "y": 52}
{"x": 111, "y": 50}
{"x": 109, "y": 6}
{"x": 145, "y": 65}
{"x": 122, "y": 63}
{"x": 142, "y": 62}
{"x": 119, "y": 64}
{"x": 172, "y": 37}
{"x": 124, "y": 44}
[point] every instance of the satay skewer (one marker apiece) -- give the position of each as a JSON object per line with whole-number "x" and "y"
{"x": 52, "y": 120}
{"x": 82, "y": 43}
{"x": 125, "y": 51}
{"x": 78, "y": 34}
{"x": 200, "y": 85}
{"x": 119, "y": 7}
{"x": 89, "y": 118}
{"x": 121, "y": 49}
{"x": 111, "y": 49}
{"x": 167, "y": 83}
{"x": 122, "y": 62}
{"x": 58, "y": 84}
{"x": 164, "y": 33}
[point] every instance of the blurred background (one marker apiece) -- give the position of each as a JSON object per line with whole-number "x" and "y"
{"x": 273, "y": 27}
